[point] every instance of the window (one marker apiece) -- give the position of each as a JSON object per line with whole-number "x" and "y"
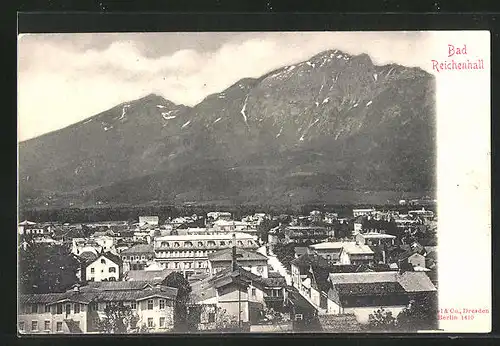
{"x": 133, "y": 305}
{"x": 240, "y": 243}
{"x": 150, "y": 322}
{"x": 136, "y": 258}
{"x": 47, "y": 308}
{"x": 150, "y": 304}
{"x": 254, "y": 292}
{"x": 200, "y": 264}
{"x": 200, "y": 243}
{"x": 46, "y": 325}
{"x": 59, "y": 309}
{"x": 112, "y": 269}
{"x": 59, "y": 326}
{"x": 34, "y": 308}
{"x": 162, "y": 322}
{"x": 162, "y": 305}
{"x": 21, "y": 326}
{"x": 77, "y": 308}
{"x": 222, "y": 243}
{"x": 34, "y": 325}
{"x": 103, "y": 261}
{"x": 298, "y": 317}
{"x": 176, "y": 265}
{"x": 211, "y": 317}
{"x": 124, "y": 258}
{"x": 68, "y": 309}
{"x": 112, "y": 278}
{"x": 176, "y": 244}
{"x": 92, "y": 270}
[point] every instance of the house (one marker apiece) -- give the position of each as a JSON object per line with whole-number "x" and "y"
{"x": 305, "y": 234}
{"x": 329, "y": 250}
{"x": 106, "y": 242}
{"x": 222, "y": 225}
{"x": 236, "y": 289}
{"x": 219, "y": 215}
{"x": 363, "y": 292}
{"x": 32, "y": 228}
{"x": 80, "y": 245}
{"x": 137, "y": 257}
{"x": 189, "y": 253}
{"x": 249, "y": 260}
{"x": 375, "y": 239}
{"x": 106, "y": 267}
{"x": 362, "y": 212}
{"x": 330, "y": 217}
{"x": 150, "y": 220}
{"x": 355, "y": 253}
{"x": 78, "y": 311}
{"x": 416, "y": 259}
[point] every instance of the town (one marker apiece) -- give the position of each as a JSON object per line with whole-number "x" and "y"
{"x": 374, "y": 269}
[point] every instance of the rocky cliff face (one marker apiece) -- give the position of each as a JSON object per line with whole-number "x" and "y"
{"x": 298, "y": 134}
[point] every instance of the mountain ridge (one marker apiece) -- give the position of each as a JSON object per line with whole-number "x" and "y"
{"x": 336, "y": 120}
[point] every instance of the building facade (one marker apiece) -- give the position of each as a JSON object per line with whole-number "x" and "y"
{"x": 189, "y": 253}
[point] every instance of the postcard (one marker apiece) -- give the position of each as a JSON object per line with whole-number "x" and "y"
{"x": 254, "y": 182}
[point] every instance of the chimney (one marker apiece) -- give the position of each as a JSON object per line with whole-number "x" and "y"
{"x": 233, "y": 258}
{"x": 76, "y": 288}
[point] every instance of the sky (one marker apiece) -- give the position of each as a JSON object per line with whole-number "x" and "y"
{"x": 66, "y": 78}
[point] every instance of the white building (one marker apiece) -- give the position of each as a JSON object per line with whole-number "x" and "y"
{"x": 189, "y": 253}
{"x": 362, "y": 212}
{"x": 107, "y": 267}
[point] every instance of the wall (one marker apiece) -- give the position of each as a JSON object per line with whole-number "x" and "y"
{"x": 362, "y": 313}
{"x": 53, "y": 317}
{"x": 101, "y": 271}
{"x": 228, "y": 299}
{"x": 156, "y": 313}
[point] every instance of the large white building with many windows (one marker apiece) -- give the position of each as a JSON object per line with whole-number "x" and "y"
{"x": 189, "y": 253}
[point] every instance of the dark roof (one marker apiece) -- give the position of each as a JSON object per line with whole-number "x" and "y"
{"x": 226, "y": 255}
{"x": 310, "y": 259}
{"x": 363, "y": 289}
{"x": 139, "y": 248}
{"x": 112, "y": 257}
{"x": 320, "y": 276}
{"x": 87, "y": 256}
{"x": 272, "y": 274}
{"x": 88, "y": 295}
{"x": 273, "y": 281}
{"x": 115, "y": 285}
{"x": 147, "y": 275}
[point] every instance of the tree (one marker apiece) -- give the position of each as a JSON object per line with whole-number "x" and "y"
{"x": 285, "y": 253}
{"x": 264, "y": 227}
{"x": 177, "y": 280}
{"x": 381, "y": 320}
{"x": 118, "y": 319}
{"x": 274, "y": 317}
{"x": 421, "y": 314}
{"x": 46, "y": 268}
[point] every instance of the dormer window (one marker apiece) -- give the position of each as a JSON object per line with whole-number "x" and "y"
{"x": 240, "y": 242}
{"x": 176, "y": 244}
{"x": 222, "y": 243}
{"x": 188, "y": 244}
{"x": 164, "y": 244}
{"x": 211, "y": 243}
{"x": 200, "y": 243}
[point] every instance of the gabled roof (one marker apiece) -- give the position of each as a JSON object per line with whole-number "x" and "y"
{"x": 409, "y": 281}
{"x": 87, "y": 256}
{"x": 139, "y": 248}
{"x": 110, "y": 256}
{"x": 147, "y": 275}
{"x": 226, "y": 255}
{"x": 310, "y": 259}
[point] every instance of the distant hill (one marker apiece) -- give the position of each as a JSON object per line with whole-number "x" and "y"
{"x": 333, "y": 129}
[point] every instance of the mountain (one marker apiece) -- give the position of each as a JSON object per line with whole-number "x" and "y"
{"x": 335, "y": 127}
